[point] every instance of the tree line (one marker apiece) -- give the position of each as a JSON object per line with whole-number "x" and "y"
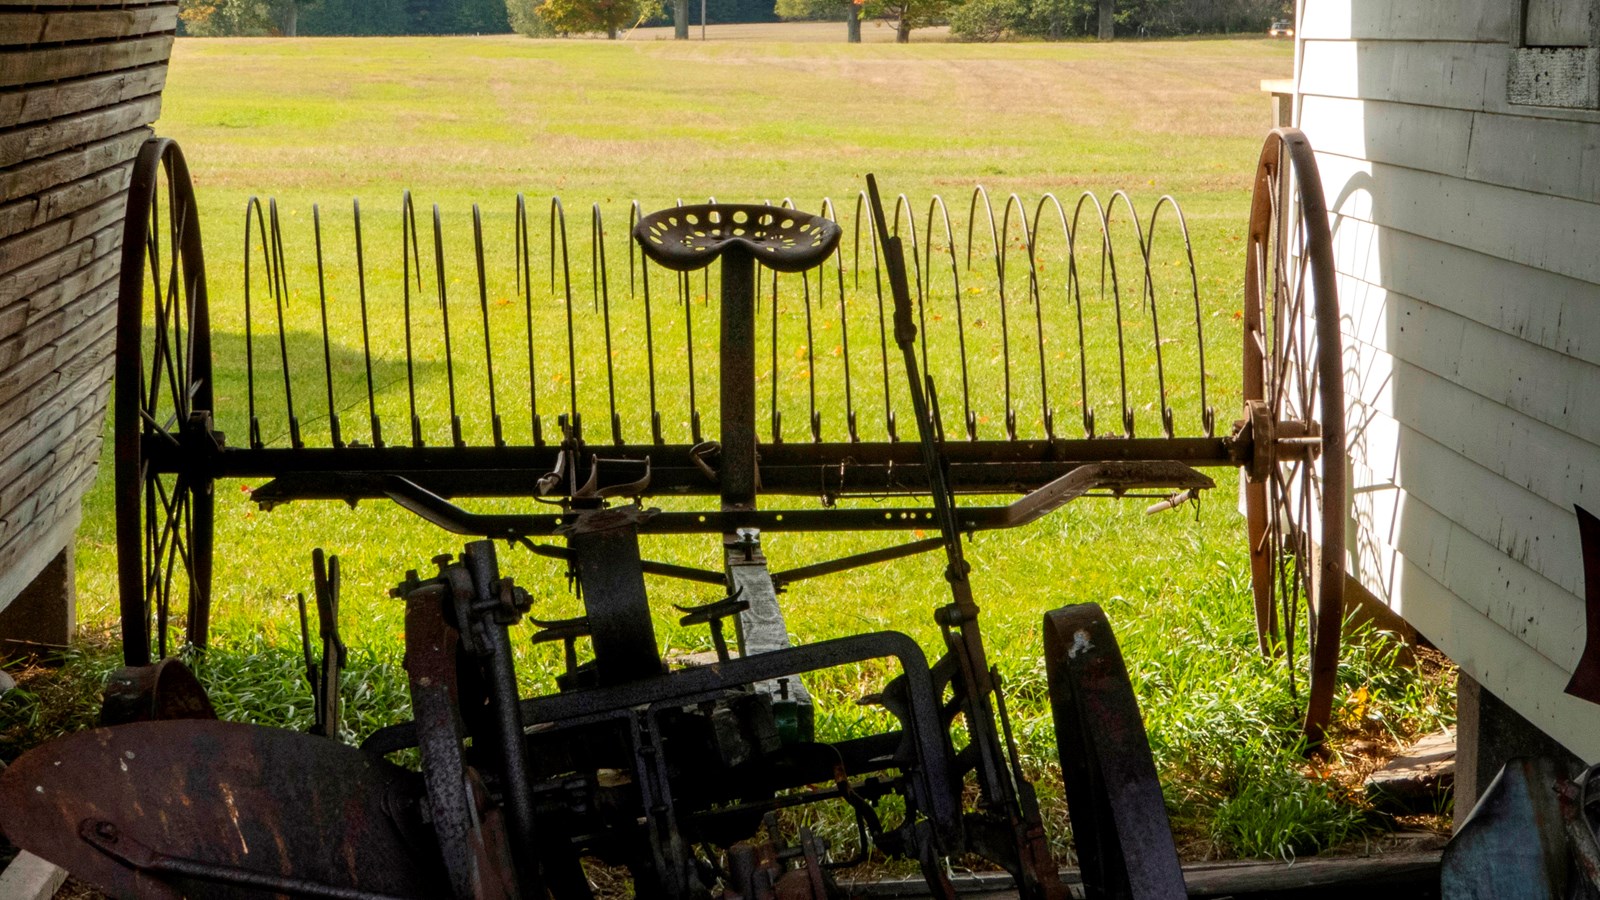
{"x": 970, "y": 20}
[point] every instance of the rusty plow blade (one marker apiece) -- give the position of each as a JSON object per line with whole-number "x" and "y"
{"x": 218, "y": 809}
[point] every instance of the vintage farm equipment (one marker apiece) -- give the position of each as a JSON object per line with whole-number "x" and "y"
{"x": 683, "y": 776}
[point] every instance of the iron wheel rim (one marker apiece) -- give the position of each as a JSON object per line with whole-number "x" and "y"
{"x": 1293, "y": 382}
{"x": 163, "y": 487}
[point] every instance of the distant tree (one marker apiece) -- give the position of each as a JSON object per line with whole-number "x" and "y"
{"x": 588, "y": 16}
{"x": 356, "y": 17}
{"x": 431, "y": 16}
{"x": 989, "y": 20}
{"x": 525, "y": 20}
{"x": 286, "y": 15}
{"x": 217, "y": 18}
{"x": 482, "y": 17}
{"x": 826, "y": 10}
{"x": 680, "y": 20}
{"x": 909, "y": 14}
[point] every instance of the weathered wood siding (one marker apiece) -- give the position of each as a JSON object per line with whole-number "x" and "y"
{"x": 1468, "y": 240}
{"x": 80, "y": 82}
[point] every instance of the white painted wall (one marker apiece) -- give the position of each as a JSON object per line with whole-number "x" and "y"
{"x": 1467, "y": 232}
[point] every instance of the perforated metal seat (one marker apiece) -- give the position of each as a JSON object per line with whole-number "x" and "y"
{"x": 685, "y": 238}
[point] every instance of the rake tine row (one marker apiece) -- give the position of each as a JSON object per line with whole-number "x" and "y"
{"x": 1071, "y": 341}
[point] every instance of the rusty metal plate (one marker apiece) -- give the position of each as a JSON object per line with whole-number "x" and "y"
{"x": 196, "y": 802}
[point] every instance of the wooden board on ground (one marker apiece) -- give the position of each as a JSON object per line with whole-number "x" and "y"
{"x": 1419, "y": 781}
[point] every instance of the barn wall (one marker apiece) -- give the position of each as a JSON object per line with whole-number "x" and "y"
{"x": 1468, "y": 242}
{"x": 80, "y": 82}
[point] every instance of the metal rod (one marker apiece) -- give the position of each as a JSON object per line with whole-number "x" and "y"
{"x": 598, "y": 248}
{"x": 444, "y": 312}
{"x": 483, "y": 307}
{"x": 280, "y": 296}
{"x": 409, "y": 256}
{"x": 524, "y": 272}
{"x": 649, "y": 329}
{"x": 327, "y": 348}
{"x": 558, "y": 217}
{"x": 366, "y": 333}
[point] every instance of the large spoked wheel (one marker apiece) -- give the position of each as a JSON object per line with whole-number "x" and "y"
{"x": 1294, "y": 404}
{"x": 162, "y": 413}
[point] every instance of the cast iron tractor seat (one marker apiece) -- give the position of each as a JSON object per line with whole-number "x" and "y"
{"x": 686, "y": 238}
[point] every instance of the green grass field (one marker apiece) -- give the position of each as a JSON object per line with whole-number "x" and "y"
{"x": 459, "y": 121}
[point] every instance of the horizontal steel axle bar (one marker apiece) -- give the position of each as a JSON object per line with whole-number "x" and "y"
{"x": 812, "y": 470}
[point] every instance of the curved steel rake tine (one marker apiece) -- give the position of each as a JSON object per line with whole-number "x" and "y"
{"x": 813, "y": 418}
{"x": 1004, "y": 249}
{"x": 634, "y": 216}
{"x": 1149, "y": 293}
{"x": 685, "y": 300}
{"x": 883, "y": 331}
{"x": 410, "y": 257}
{"x": 1071, "y": 289}
{"x": 901, "y": 202}
{"x": 444, "y": 311}
{"x": 635, "y": 213}
{"x": 483, "y": 309}
{"x": 998, "y": 256}
{"x": 1108, "y": 266}
{"x": 367, "y": 335}
{"x": 280, "y": 292}
{"x": 558, "y": 222}
{"x": 811, "y": 356}
{"x": 253, "y": 204}
{"x": 1208, "y": 416}
{"x": 844, "y": 330}
{"x": 523, "y": 264}
{"x": 968, "y": 417}
{"x": 855, "y": 248}
{"x": 1035, "y": 293}
{"x": 327, "y": 348}
{"x": 600, "y": 277}
{"x": 366, "y": 331}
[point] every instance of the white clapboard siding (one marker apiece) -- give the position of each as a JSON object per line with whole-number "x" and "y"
{"x": 1541, "y": 156}
{"x": 1510, "y": 669}
{"x": 1546, "y": 461}
{"x": 1546, "y": 386}
{"x": 1552, "y": 233}
{"x": 1395, "y": 523}
{"x": 1414, "y": 20}
{"x": 1467, "y": 239}
{"x": 1454, "y": 75}
{"x": 1532, "y": 528}
{"x": 1551, "y": 311}
{"x": 1431, "y": 138}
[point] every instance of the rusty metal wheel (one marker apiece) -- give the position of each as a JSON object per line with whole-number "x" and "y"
{"x": 1119, "y": 819}
{"x": 162, "y": 413}
{"x": 1294, "y": 407}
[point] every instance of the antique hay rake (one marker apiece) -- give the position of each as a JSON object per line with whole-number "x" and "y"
{"x": 874, "y": 369}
